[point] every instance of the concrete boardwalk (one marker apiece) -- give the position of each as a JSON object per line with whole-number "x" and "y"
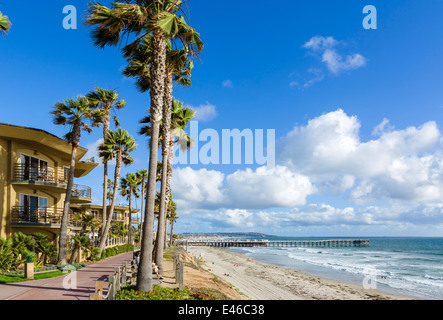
{"x": 53, "y": 289}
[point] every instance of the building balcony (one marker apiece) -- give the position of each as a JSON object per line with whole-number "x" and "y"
{"x": 81, "y": 194}
{"x": 47, "y": 177}
{"x": 135, "y": 220}
{"x": 41, "y": 216}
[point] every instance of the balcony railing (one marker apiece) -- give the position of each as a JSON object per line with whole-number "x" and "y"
{"x": 82, "y": 192}
{"x": 29, "y": 173}
{"x": 47, "y": 175}
{"x": 41, "y": 216}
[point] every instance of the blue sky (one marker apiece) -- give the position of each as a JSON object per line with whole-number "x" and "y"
{"x": 308, "y": 70}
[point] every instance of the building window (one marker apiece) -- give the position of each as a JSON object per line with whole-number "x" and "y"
{"x": 33, "y": 168}
{"x": 33, "y": 207}
{"x": 95, "y": 214}
{"x": 65, "y": 174}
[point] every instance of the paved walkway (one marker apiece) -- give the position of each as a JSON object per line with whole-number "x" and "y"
{"x": 54, "y": 288}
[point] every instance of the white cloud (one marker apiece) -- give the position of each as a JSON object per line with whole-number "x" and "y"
{"x": 336, "y": 63}
{"x": 227, "y": 84}
{"x": 244, "y": 189}
{"x": 319, "y": 43}
{"x": 263, "y": 188}
{"x": 197, "y": 188}
{"x": 313, "y": 76}
{"x": 204, "y": 112}
{"x": 384, "y": 126}
{"x": 93, "y": 151}
{"x": 395, "y": 178}
{"x": 326, "y": 49}
{"x": 395, "y": 217}
{"x": 404, "y": 165}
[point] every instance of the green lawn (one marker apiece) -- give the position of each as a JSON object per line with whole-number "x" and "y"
{"x": 37, "y": 276}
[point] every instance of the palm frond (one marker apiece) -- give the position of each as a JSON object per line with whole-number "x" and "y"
{"x": 5, "y": 24}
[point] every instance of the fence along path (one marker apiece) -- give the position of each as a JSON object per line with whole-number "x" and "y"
{"x": 124, "y": 276}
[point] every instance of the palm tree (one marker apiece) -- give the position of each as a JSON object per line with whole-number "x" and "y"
{"x": 118, "y": 144}
{"x": 74, "y": 113}
{"x": 178, "y": 68}
{"x": 160, "y": 20}
{"x": 106, "y": 100}
{"x": 109, "y": 192}
{"x": 142, "y": 174}
{"x": 172, "y": 218}
{"x": 180, "y": 117}
{"x": 88, "y": 222}
{"x": 23, "y": 245}
{"x": 5, "y": 24}
{"x": 43, "y": 246}
{"x": 118, "y": 229}
{"x": 128, "y": 187}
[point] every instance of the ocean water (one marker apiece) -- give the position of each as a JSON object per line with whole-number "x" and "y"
{"x": 406, "y": 266}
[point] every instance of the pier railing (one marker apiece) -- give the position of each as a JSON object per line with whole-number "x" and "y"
{"x": 286, "y": 243}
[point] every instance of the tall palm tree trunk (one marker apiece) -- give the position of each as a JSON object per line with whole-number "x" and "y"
{"x": 166, "y": 128}
{"x": 106, "y": 122}
{"x": 104, "y": 235}
{"x": 63, "y": 239}
{"x": 172, "y": 230}
{"x": 130, "y": 217}
{"x": 144, "y": 276}
{"x": 76, "y": 249}
{"x": 105, "y": 192}
{"x": 169, "y": 170}
{"x": 157, "y": 71}
{"x": 141, "y": 210}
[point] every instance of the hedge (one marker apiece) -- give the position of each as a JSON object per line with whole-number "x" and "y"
{"x": 114, "y": 251}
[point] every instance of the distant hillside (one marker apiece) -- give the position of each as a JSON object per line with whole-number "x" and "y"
{"x": 226, "y": 234}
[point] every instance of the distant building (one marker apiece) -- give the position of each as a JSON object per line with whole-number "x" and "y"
{"x": 120, "y": 214}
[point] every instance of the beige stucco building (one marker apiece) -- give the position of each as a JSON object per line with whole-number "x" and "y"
{"x": 34, "y": 168}
{"x": 120, "y": 214}
{"x": 33, "y": 177}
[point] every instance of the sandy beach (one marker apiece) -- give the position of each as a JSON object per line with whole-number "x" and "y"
{"x": 258, "y": 281}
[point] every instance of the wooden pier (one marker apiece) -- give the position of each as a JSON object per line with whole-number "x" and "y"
{"x": 266, "y": 243}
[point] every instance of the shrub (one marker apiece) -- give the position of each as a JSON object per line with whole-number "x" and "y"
{"x": 7, "y": 255}
{"x": 109, "y": 252}
{"x": 157, "y": 293}
{"x": 13, "y": 251}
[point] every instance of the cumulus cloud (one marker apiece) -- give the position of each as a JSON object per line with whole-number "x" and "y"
{"x": 323, "y": 215}
{"x": 398, "y": 165}
{"x": 384, "y": 126}
{"x": 392, "y": 180}
{"x": 268, "y": 187}
{"x": 243, "y": 189}
{"x": 204, "y": 112}
{"x": 194, "y": 189}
